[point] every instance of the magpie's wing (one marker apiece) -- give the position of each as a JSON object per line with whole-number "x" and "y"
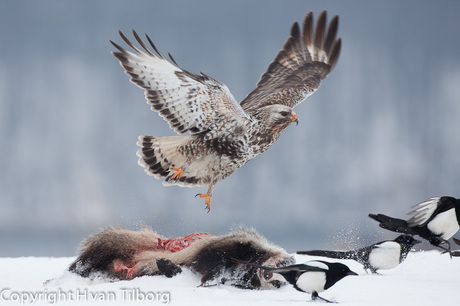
{"x": 425, "y": 212}
{"x": 298, "y": 69}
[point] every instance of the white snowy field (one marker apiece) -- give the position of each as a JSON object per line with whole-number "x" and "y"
{"x": 425, "y": 278}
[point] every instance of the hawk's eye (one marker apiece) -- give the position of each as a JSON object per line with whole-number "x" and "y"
{"x": 284, "y": 114}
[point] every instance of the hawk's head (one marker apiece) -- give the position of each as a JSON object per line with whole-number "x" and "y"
{"x": 277, "y": 116}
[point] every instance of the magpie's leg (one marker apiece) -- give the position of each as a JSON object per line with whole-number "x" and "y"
{"x": 374, "y": 271}
{"x": 315, "y": 296}
{"x": 446, "y": 250}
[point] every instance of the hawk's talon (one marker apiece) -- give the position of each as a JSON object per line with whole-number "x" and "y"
{"x": 178, "y": 173}
{"x": 207, "y": 200}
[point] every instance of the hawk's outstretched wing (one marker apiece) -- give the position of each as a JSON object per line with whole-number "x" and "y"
{"x": 188, "y": 101}
{"x": 297, "y": 71}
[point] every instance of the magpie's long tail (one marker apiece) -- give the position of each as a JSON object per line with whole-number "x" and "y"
{"x": 331, "y": 254}
{"x": 393, "y": 224}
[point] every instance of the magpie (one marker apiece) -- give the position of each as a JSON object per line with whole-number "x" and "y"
{"x": 311, "y": 277}
{"x": 436, "y": 220}
{"x": 378, "y": 256}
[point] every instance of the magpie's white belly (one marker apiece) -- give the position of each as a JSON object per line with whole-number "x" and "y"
{"x": 444, "y": 224}
{"x": 385, "y": 255}
{"x": 312, "y": 281}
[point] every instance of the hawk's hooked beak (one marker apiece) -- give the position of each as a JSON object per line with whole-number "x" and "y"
{"x": 294, "y": 118}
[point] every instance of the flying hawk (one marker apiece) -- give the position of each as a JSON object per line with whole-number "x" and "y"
{"x": 223, "y": 134}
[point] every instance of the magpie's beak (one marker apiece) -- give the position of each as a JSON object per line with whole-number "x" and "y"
{"x": 352, "y": 273}
{"x": 417, "y": 241}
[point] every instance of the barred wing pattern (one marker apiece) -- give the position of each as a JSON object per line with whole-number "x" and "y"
{"x": 298, "y": 69}
{"x": 224, "y": 135}
{"x": 189, "y": 102}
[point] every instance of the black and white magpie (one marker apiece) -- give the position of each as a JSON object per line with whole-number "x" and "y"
{"x": 436, "y": 220}
{"x": 378, "y": 256}
{"x": 311, "y": 277}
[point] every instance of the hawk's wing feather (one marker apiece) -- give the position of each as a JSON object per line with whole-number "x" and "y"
{"x": 188, "y": 101}
{"x": 298, "y": 69}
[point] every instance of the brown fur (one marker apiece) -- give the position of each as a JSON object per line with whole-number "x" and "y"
{"x": 123, "y": 254}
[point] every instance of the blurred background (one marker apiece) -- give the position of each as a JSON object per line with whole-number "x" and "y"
{"x": 380, "y": 135}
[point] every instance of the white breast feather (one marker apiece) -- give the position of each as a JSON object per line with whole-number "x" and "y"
{"x": 386, "y": 255}
{"x": 445, "y": 224}
{"x": 312, "y": 281}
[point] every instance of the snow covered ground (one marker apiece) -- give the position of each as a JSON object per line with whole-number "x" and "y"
{"x": 425, "y": 278}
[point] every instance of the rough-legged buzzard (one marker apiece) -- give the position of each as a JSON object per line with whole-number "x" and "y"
{"x": 223, "y": 134}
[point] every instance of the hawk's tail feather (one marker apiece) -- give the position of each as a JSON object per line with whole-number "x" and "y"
{"x": 159, "y": 155}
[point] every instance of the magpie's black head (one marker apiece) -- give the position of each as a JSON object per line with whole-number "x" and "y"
{"x": 336, "y": 272}
{"x": 344, "y": 270}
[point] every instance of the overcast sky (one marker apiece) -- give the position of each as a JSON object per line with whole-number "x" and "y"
{"x": 380, "y": 135}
